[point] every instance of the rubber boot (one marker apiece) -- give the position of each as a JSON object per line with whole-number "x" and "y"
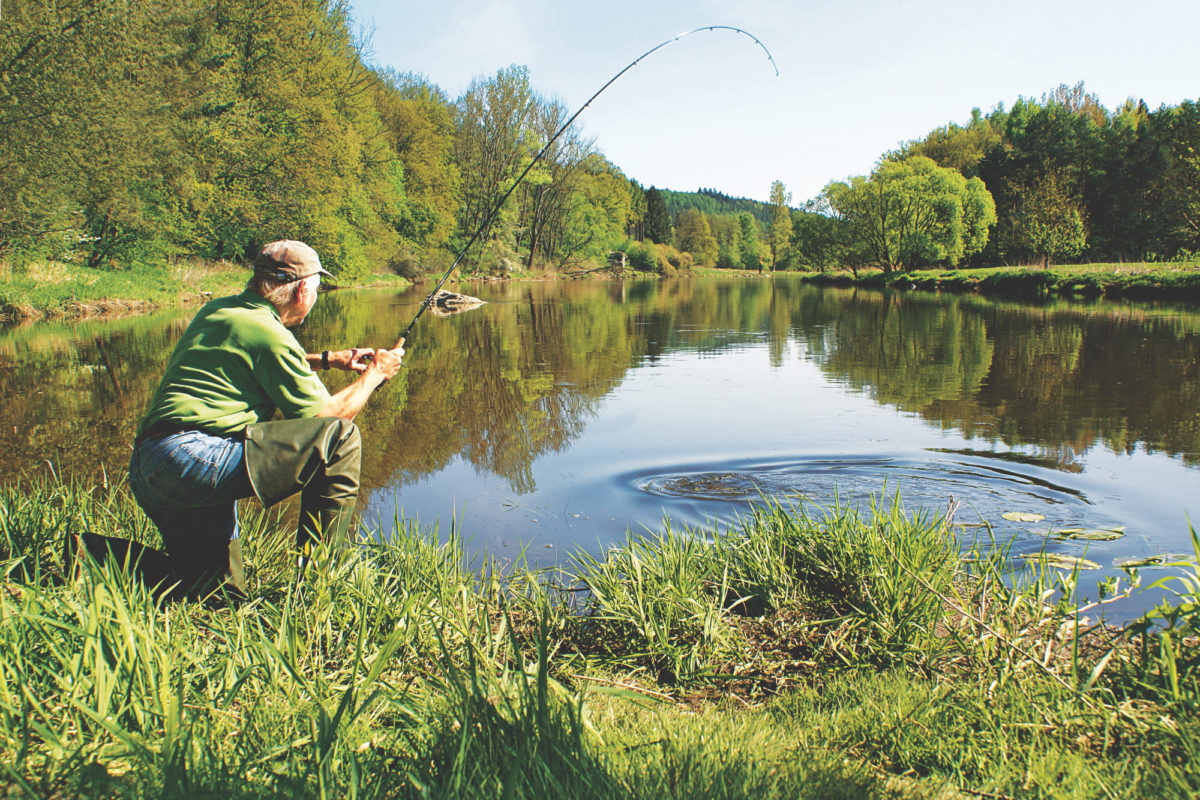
{"x": 207, "y": 571}
{"x": 152, "y": 567}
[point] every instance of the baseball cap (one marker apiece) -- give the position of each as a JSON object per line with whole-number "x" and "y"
{"x": 288, "y": 260}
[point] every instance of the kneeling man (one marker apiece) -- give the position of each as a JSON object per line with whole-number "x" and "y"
{"x": 207, "y": 439}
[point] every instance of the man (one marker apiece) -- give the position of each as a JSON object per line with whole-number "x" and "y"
{"x": 207, "y": 440}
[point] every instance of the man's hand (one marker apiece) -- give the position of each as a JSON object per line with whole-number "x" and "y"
{"x": 378, "y": 366}
{"x": 353, "y": 360}
{"x": 386, "y": 363}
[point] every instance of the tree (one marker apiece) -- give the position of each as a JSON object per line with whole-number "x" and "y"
{"x": 779, "y": 230}
{"x": 493, "y": 144}
{"x": 635, "y": 226}
{"x": 957, "y": 147}
{"x": 1048, "y": 221}
{"x": 750, "y": 256}
{"x": 693, "y": 235}
{"x": 658, "y": 221}
{"x": 418, "y": 120}
{"x": 816, "y": 235}
{"x": 914, "y": 212}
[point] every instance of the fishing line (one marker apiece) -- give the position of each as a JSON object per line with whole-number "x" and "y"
{"x": 487, "y": 223}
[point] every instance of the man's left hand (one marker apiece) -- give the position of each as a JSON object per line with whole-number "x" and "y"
{"x": 353, "y": 360}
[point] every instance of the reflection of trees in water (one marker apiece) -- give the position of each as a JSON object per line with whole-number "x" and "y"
{"x": 1059, "y": 378}
{"x": 505, "y": 384}
{"x": 499, "y": 386}
{"x": 73, "y": 395}
{"x": 519, "y": 378}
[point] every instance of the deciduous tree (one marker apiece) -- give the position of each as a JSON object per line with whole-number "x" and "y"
{"x": 779, "y": 231}
{"x": 914, "y": 212}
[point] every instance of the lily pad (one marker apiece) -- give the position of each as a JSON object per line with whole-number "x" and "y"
{"x": 1060, "y": 561}
{"x": 1023, "y": 516}
{"x": 1094, "y": 534}
{"x": 1162, "y": 560}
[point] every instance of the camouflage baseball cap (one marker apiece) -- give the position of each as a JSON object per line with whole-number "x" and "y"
{"x": 288, "y": 260}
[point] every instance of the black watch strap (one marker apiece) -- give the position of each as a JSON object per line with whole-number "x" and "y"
{"x": 325, "y": 359}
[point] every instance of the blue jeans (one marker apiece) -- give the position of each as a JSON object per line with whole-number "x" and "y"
{"x": 187, "y": 483}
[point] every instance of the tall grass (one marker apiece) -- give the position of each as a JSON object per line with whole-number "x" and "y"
{"x": 802, "y": 653}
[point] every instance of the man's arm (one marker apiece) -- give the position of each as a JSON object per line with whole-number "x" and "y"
{"x": 349, "y": 401}
{"x": 353, "y": 360}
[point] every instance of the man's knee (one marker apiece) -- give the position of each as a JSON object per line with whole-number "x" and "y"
{"x": 346, "y": 436}
{"x": 285, "y": 457}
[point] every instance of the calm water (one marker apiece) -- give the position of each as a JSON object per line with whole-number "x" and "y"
{"x": 562, "y": 414}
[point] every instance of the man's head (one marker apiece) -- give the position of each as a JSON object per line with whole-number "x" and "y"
{"x": 287, "y": 273}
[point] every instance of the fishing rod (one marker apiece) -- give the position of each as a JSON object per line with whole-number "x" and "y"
{"x": 487, "y": 223}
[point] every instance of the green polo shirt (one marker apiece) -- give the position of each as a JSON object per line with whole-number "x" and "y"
{"x": 235, "y": 365}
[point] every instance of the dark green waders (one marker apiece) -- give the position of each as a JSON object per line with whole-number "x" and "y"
{"x": 320, "y": 457}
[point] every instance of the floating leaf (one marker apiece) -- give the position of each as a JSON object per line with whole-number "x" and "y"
{"x": 1163, "y": 560}
{"x": 1023, "y": 516}
{"x": 1060, "y": 561}
{"x": 1094, "y": 534}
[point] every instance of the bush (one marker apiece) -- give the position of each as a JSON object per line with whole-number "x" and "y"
{"x": 406, "y": 266}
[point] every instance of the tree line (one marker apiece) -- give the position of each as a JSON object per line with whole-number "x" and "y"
{"x": 145, "y": 131}
{"x": 1057, "y": 179}
{"x": 151, "y": 131}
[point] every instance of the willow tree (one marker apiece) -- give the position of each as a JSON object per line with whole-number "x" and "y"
{"x": 913, "y": 212}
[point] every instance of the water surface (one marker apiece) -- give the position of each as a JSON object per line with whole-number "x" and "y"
{"x": 562, "y": 414}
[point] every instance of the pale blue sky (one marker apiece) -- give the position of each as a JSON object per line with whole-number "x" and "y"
{"x": 857, "y": 77}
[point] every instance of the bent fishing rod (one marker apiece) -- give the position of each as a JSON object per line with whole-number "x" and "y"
{"x": 487, "y": 223}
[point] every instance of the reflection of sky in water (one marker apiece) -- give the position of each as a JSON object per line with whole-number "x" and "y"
{"x": 691, "y": 434}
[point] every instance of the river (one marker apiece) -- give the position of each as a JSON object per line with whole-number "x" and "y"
{"x": 562, "y": 414}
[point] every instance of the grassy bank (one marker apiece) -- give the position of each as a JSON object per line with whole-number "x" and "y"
{"x": 828, "y": 655}
{"x": 59, "y": 290}
{"x": 1131, "y": 281}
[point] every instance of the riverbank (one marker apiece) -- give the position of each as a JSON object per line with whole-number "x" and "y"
{"x": 804, "y": 655}
{"x": 1130, "y": 281}
{"x": 56, "y": 290}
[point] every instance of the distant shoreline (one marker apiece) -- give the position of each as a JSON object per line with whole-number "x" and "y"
{"x": 1123, "y": 281}
{"x": 58, "y": 291}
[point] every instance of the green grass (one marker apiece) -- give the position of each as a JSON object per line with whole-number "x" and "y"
{"x": 804, "y": 653}
{"x": 58, "y": 289}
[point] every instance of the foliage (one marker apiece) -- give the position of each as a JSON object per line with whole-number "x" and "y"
{"x": 751, "y": 249}
{"x": 779, "y": 228}
{"x": 818, "y": 237}
{"x": 658, "y": 220}
{"x": 714, "y": 203}
{"x": 1048, "y": 222}
{"x": 1129, "y": 174}
{"x": 205, "y": 131}
{"x": 913, "y": 212}
{"x": 693, "y": 235}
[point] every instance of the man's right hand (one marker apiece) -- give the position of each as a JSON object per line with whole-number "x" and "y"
{"x": 386, "y": 363}
{"x": 349, "y": 401}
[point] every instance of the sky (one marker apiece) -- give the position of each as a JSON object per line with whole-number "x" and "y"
{"x": 857, "y": 78}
